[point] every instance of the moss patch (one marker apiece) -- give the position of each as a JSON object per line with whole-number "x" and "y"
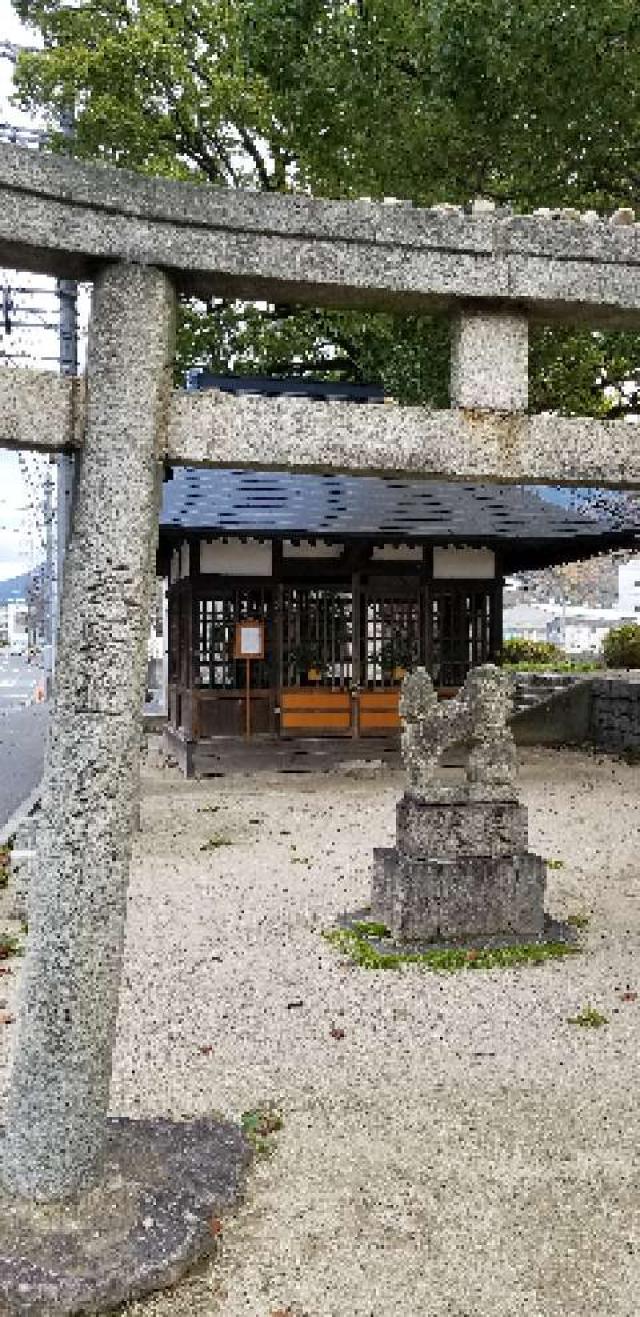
{"x": 579, "y": 920}
{"x": 588, "y": 1018}
{"x": 360, "y": 947}
{"x": 214, "y": 843}
{"x": 5, "y": 864}
{"x": 259, "y": 1126}
{"x": 9, "y": 946}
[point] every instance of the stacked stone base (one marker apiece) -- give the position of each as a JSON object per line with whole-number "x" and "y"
{"x": 460, "y": 870}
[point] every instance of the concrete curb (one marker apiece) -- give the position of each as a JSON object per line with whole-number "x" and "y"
{"x": 19, "y": 815}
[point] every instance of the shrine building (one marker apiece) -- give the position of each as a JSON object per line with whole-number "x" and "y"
{"x": 355, "y": 580}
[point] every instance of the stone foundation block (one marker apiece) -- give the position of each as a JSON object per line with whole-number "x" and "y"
{"x": 152, "y": 1217}
{"x": 472, "y": 896}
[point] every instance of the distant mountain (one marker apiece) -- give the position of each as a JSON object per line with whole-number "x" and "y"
{"x": 592, "y": 582}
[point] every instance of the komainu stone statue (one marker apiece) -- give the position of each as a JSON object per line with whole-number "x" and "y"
{"x": 461, "y": 867}
{"x": 478, "y": 716}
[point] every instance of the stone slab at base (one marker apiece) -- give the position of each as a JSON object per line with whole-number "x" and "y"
{"x": 554, "y": 931}
{"x": 146, "y": 1224}
{"x": 468, "y": 897}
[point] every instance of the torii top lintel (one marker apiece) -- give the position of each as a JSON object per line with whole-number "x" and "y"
{"x": 67, "y": 218}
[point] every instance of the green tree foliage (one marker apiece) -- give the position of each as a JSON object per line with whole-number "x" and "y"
{"x": 534, "y": 102}
{"x": 621, "y": 646}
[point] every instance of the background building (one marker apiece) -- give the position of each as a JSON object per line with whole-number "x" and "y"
{"x": 629, "y": 588}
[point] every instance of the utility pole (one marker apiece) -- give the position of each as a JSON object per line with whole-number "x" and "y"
{"x": 68, "y": 335}
{"x": 68, "y": 344}
{"x": 49, "y": 618}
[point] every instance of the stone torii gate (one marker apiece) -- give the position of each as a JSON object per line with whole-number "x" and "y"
{"x": 142, "y": 241}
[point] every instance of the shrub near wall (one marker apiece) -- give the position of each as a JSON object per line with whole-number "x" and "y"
{"x": 621, "y": 646}
{"x": 520, "y": 650}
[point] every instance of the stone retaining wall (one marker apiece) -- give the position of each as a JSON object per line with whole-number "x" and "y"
{"x": 530, "y": 688}
{"x": 615, "y": 713}
{"x": 584, "y": 708}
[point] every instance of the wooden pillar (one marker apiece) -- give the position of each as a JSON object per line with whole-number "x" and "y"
{"x": 356, "y": 652}
{"x": 497, "y": 605}
{"x": 426, "y": 596}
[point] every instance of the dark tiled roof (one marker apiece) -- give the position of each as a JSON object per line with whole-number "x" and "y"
{"x": 289, "y": 387}
{"x": 284, "y": 504}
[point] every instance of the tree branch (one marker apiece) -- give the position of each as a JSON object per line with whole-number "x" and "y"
{"x": 252, "y": 150}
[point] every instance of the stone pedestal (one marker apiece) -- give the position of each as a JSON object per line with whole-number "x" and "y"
{"x": 461, "y": 869}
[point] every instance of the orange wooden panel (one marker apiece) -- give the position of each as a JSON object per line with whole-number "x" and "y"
{"x": 302, "y": 718}
{"x": 307, "y": 718}
{"x": 380, "y": 718}
{"x": 379, "y": 699}
{"x": 310, "y": 699}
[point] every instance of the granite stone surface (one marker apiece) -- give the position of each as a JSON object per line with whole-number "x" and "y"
{"x": 61, "y": 216}
{"x": 471, "y": 897}
{"x": 490, "y": 361}
{"x": 215, "y": 429}
{"x": 59, "y": 1088}
{"x": 27, "y": 397}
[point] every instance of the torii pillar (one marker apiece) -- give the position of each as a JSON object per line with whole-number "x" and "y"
{"x": 94, "y": 1211}
{"x": 66, "y": 1024}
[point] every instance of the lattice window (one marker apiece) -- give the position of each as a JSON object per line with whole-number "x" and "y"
{"x": 391, "y": 638}
{"x": 216, "y": 666}
{"x": 317, "y": 636}
{"x": 461, "y": 629}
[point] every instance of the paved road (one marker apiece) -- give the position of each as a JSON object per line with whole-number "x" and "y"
{"x": 22, "y": 731}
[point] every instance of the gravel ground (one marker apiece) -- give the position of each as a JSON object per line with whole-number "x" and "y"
{"x": 461, "y": 1149}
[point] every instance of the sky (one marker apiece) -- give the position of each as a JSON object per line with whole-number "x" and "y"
{"x": 11, "y": 29}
